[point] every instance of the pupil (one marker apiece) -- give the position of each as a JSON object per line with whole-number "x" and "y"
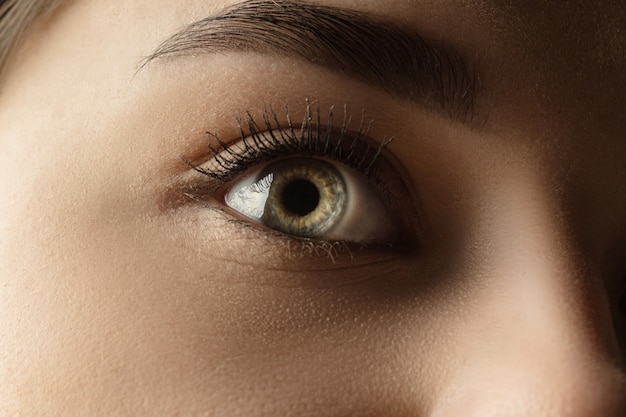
{"x": 300, "y": 197}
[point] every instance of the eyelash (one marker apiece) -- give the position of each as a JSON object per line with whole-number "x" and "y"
{"x": 273, "y": 141}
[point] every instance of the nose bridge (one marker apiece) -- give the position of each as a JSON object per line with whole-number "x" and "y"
{"x": 539, "y": 267}
{"x": 541, "y": 342}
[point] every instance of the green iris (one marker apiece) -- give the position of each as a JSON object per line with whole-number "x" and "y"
{"x": 307, "y": 197}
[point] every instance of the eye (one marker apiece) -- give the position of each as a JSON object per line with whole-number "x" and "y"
{"x": 313, "y": 198}
{"x": 319, "y": 182}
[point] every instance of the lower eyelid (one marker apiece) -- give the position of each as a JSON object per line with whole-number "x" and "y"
{"x": 210, "y": 236}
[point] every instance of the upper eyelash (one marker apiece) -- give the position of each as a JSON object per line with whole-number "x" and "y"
{"x": 274, "y": 140}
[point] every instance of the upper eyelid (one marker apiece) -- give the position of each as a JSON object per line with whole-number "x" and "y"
{"x": 274, "y": 138}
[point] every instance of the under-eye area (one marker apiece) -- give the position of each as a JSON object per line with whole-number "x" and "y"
{"x": 316, "y": 180}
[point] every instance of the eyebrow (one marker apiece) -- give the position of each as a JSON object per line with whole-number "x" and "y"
{"x": 352, "y": 43}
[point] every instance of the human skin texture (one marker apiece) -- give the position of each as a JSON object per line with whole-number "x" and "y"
{"x": 125, "y": 292}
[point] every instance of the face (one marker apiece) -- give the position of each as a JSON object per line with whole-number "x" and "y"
{"x": 213, "y": 231}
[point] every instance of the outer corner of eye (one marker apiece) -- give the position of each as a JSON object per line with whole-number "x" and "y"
{"x": 313, "y": 198}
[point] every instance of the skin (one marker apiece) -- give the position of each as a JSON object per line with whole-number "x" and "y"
{"x": 119, "y": 296}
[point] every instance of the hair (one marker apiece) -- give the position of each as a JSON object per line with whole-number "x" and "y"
{"x": 15, "y": 17}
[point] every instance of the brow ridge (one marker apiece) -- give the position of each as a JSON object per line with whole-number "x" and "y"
{"x": 399, "y": 61}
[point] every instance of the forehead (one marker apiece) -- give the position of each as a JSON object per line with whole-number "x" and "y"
{"x": 569, "y": 54}
{"x": 544, "y": 36}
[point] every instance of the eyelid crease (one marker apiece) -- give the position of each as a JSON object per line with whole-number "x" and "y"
{"x": 272, "y": 140}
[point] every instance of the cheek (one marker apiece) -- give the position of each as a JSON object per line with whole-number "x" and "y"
{"x": 80, "y": 295}
{"x": 105, "y": 298}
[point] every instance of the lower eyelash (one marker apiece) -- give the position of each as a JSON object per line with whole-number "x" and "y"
{"x": 296, "y": 247}
{"x": 272, "y": 140}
